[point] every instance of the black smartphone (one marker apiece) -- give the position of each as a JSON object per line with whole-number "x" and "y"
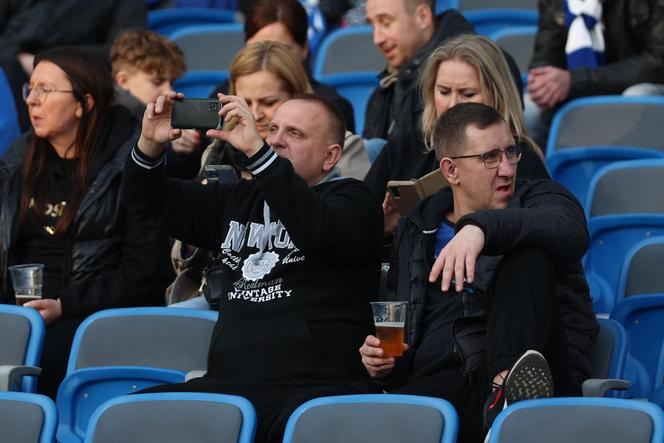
{"x": 196, "y": 113}
{"x": 220, "y": 173}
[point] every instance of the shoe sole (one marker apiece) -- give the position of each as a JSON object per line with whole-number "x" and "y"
{"x": 528, "y": 379}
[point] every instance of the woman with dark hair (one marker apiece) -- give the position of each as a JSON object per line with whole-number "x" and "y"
{"x": 59, "y": 204}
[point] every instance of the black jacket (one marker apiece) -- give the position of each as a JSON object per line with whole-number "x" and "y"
{"x": 634, "y": 39}
{"x": 541, "y": 214}
{"x": 294, "y": 303}
{"x": 111, "y": 259}
{"x": 405, "y": 158}
{"x": 398, "y": 108}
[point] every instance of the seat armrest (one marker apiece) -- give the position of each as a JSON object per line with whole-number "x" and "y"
{"x": 597, "y": 387}
{"x": 11, "y": 376}
{"x": 194, "y": 374}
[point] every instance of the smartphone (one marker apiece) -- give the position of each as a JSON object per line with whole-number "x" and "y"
{"x": 406, "y": 194}
{"x": 220, "y": 173}
{"x": 196, "y": 113}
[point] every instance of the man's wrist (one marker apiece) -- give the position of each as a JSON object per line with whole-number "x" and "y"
{"x": 150, "y": 148}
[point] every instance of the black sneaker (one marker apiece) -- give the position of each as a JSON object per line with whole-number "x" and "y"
{"x": 528, "y": 379}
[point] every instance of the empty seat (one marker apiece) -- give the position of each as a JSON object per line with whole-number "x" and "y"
{"x": 490, "y": 21}
{"x": 173, "y": 417}
{"x": 373, "y": 418}
{"x": 199, "y": 84}
{"x": 519, "y": 42}
{"x": 27, "y": 418}
{"x": 22, "y": 337}
{"x": 577, "y": 420}
{"x": 210, "y": 47}
{"x": 357, "y": 88}
{"x": 348, "y": 49}
{"x": 167, "y": 21}
{"x": 9, "y": 127}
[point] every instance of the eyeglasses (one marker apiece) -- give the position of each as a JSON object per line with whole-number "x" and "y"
{"x": 492, "y": 158}
{"x": 40, "y": 91}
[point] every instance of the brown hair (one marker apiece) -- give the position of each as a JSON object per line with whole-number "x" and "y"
{"x": 89, "y": 77}
{"x": 272, "y": 57}
{"x": 335, "y": 119}
{"x": 147, "y": 51}
{"x": 289, "y": 12}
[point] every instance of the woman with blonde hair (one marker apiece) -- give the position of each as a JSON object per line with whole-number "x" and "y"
{"x": 468, "y": 68}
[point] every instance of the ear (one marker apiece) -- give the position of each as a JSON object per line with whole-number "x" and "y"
{"x": 332, "y": 156}
{"x": 424, "y": 16}
{"x": 89, "y": 104}
{"x": 121, "y": 79}
{"x": 450, "y": 171}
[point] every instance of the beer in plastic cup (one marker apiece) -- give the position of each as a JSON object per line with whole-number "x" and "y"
{"x": 390, "y": 319}
{"x": 27, "y": 281}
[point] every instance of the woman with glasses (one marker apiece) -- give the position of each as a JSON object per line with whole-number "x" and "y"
{"x": 59, "y": 204}
{"x": 468, "y": 68}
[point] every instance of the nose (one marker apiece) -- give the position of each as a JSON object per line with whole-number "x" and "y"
{"x": 274, "y": 139}
{"x": 378, "y": 36}
{"x": 454, "y": 100}
{"x": 31, "y": 99}
{"x": 506, "y": 169}
{"x": 257, "y": 111}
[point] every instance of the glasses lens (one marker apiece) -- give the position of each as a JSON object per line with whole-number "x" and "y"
{"x": 26, "y": 91}
{"x": 492, "y": 158}
{"x": 513, "y": 154}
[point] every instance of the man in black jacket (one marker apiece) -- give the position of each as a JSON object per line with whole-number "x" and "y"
{"x": 633, "y": 34}
{"x": 406, "y": 32}
{"x": 491, "y": 267}
{"x": 301, "y": 254}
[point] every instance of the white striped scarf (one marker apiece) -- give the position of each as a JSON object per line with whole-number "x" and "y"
{"x": 585, "y": 41}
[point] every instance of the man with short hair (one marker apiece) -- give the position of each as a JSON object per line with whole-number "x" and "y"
{"x": 301, "y": 254}
{"x": 491, "y": 267}
{"x": 406, "y": 32}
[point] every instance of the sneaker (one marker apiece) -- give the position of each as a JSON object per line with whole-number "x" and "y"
{"x": 528, "y": 379}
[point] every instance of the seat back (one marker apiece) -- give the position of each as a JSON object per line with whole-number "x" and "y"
{"x": 468, "y": 5}
{"x": 579, "y": 419}
{"x": 150, "y": 337}
{"x": 608, "y": 357}
{"x": 642, "y": 271}
{"x": 169, "y": 20}
{"x": 173, "y": 417}
{"x": 22, "y": 337}
{"x": 576, "y": 167}
{"x": 608, "y": 120}
{"x": 348, "y": 49}
{"x": 357, "y": 88}
{"x": 519, "y": 42}
{"x": 9, "y": 127}
{"x": 200, "y": 84}
{"x": 490, "y": 21}
{"x": 642, "y": 317}
{"x": 210, "y": 47}
{"x": 27, "y": 418}
{"x": 373, "y": 418}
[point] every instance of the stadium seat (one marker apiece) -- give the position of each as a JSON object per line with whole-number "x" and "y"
{"x": 27, "y": 418}
{"x": 622, "y": 210}
{"x": 348, "y": 49}
{"x": 579, "y": 419}
{"x": 575, "y": 167}
{"x": 22, "y": 337}
{"x": 199, "y": 84}
{"x": 173, "y": 417}
{"x": 373, "y": 418}
{"x": 120, "y": 351}
{"x": 357, "y": 88}
{"x": 657, "y": 395}
{"x": 642, "y": 269}
{"x": 489, "y": 21}
{"x": 608, "y": 360}
{"x": 9, "y": 128}
{"x": 468, "y": 5}
{"x": 210, "y": 47}
{"x": 642, "y": 317}
{"x": 167, "y": 21}
{"x": 519, "y": 42}
{"x": 608, "y": 121}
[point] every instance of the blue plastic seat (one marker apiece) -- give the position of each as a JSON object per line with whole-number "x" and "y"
{"x": 346, "y": 50}
{"x": 120, "y": 351}
{"x": 489, "y": 21}
{"x": 210, "y": 47}
{"x": 373, "y": 418}
{"x": 357, "y": 88}
{"x": 174, "y": 417}
{"x": 22, "y": 338}
{"x": 200, "y": 84}
{"x": 168, "y": 21}
{"x": 9, "y": 127}
{"x": 610, "y": 350}
{"x": 642, "y": 316}
{"x": 519, "y": 42}
{"x": 576, "y": 167}
{"x": 579, "y": 419}
{"x": 27, "y": 418}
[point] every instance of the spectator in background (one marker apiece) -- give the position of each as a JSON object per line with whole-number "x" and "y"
{"x": 593, "y": 48}
{"x": 61, "y": 204}
{"x": 43, "y": 24}
{"x": 406, "y": 32}
{"x": 468, "y": 68}
{"x": 145, "y": 64}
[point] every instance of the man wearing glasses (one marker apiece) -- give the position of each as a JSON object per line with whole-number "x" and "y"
{"x": 491, "y": 267}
